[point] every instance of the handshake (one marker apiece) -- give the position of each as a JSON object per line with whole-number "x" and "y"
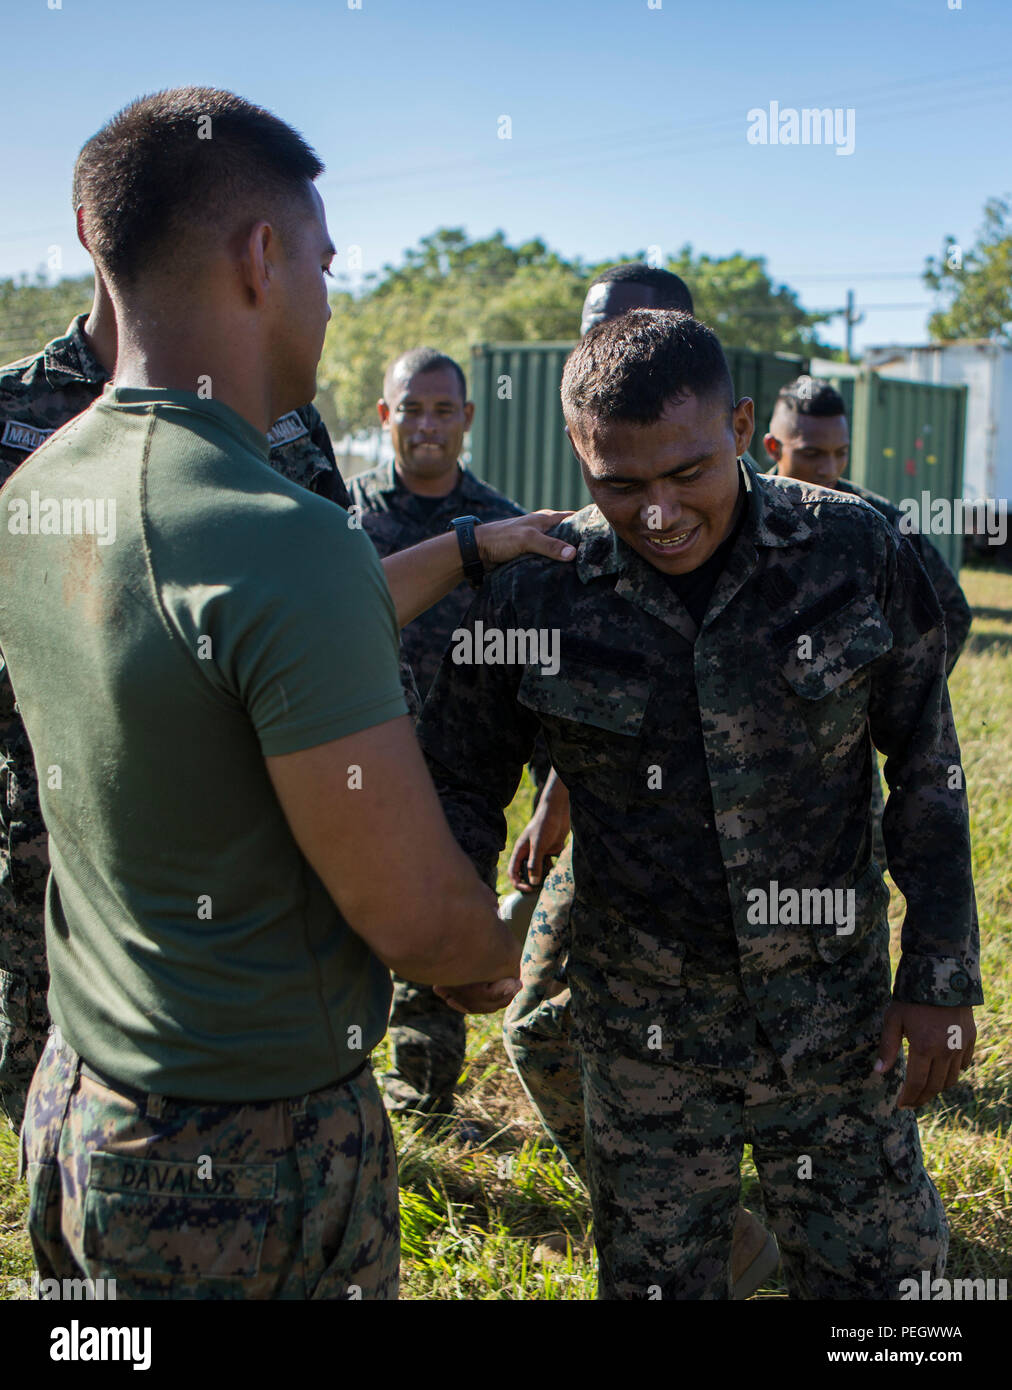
{"x": 478, "y": 999}
{"x": 490, "y": 997}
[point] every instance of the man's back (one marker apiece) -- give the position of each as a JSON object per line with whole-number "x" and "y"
{"x": 223, "y": 930}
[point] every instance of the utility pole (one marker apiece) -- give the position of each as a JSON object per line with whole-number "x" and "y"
{"x": 850, "y": 319}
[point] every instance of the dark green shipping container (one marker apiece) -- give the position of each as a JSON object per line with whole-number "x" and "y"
{"x": 907, "y": 439}
{"x": 910, "y": 438}
{"x": 518, "y": 443}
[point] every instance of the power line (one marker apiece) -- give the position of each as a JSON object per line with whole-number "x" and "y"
{"x": 636, "y": 147}
{"x": 973, "y": 80}
{"x": 848, "y": 275}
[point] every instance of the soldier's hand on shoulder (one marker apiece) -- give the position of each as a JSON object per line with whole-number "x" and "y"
{"x": 499, "y": 541}
{"x": 941, "y": 1042}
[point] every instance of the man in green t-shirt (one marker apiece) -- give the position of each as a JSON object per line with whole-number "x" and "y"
{"x": 39, "y": 394}
{"x": 223, "y": 761}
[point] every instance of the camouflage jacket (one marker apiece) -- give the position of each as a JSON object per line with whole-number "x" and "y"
{"x": 742, "y": 747}
{"x": 38, "y": 395}
{"x": 955, "y": 608}
{"x": 395, "y": 519}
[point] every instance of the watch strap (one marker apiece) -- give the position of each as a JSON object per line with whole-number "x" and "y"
{"x": 474, "y": 570}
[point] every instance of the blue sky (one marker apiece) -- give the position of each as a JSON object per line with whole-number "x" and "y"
{"x": 629, "y": 124}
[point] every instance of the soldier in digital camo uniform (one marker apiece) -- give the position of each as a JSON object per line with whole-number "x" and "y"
{"x": 425, "y": 407}
{"x": 732, "y": 647}
{"x": 537, "y": 1031}
{"x": 809, "y": 438}
{"x": 39, "y": 394}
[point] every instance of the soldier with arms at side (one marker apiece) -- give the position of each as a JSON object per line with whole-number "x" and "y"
{"x": 729, "y": 962}
{"x": 537, "y": 1027}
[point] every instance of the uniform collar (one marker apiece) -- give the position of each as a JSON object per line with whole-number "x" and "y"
{"x": 70, "y": 359}
{"x": 388, "y": 480}
{"x": 469, "y": 486}
{"x": 168, "y": 400}
{"x": 772, "y": 520}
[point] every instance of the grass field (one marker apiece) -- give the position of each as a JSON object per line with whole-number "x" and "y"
{"x": 473, "y": 1219}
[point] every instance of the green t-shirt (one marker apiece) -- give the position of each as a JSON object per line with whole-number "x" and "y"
{"x": 171, "y": 611}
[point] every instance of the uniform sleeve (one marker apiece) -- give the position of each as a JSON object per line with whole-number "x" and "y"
{"x": 314, "y": 656}
{"x": 320, "y": 435}
{"x": 955, "y": 608}
{"x": 328, "y": 482}
{"x": 477, "y": 737}
{"x": 926, "y": 822}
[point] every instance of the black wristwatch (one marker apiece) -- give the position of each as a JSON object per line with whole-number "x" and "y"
{"x": 474, "y": 570}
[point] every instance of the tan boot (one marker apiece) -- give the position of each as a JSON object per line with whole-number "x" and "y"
{"x": 754, "y": 1255}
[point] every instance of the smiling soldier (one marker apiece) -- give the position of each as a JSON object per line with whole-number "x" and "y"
{"x": 537, "y": 1028}
{"x": 732, "y": 645}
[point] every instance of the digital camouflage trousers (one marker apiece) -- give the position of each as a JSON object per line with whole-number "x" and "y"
{"x": 659, "y": 1138}
{"x": 286, "y": 1199}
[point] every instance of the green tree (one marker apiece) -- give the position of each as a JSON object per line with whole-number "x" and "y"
{"x": 449, "y": 292}
{"x": 977, "y": 282}
{"x": 736, "y": 297}
{"x": 452, "y": 293}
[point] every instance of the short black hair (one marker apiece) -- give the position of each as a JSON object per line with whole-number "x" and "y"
{"x": 629, "y": 367}
{"x": 182, "y": 160}
{"x": 418, "y": 360}
{"x": 807, "y": 395}
{"x": 671, "y": 291}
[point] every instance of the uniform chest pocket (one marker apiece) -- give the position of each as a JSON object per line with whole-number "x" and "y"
{"x": 593, "y": 720}
{"x": 827, "y": 664}
{"x": 826, "y": 654}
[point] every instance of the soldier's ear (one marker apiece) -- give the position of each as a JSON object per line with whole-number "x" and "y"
{"x": 743, "y": 423}
{"x": 81, "y": 234}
